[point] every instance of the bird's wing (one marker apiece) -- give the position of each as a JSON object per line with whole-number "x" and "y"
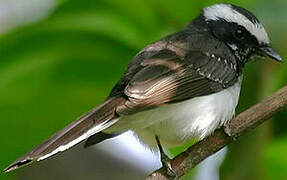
{"x": 167, "y": 78}
{"x": 164, "y": 77}
{"x": 93, "y": 122}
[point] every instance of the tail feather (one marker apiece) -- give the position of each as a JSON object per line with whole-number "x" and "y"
{"x": 87, "y": 125}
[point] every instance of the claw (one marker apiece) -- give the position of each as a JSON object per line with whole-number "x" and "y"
{"x": 228, "y": 131}
{"x": 167, "y": 165}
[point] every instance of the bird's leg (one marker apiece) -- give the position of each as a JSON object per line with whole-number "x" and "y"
{"x": 165, "y": 160}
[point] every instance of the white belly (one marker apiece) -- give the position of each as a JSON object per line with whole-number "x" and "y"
{"x": 180, "y": 122}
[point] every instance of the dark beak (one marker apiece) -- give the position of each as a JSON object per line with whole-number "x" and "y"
{"x": 267, "y": 51}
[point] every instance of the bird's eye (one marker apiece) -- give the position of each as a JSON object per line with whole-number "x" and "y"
{"x": 239, "y": 33}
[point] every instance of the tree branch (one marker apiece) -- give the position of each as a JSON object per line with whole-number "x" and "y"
{"x": 238, "y": 126}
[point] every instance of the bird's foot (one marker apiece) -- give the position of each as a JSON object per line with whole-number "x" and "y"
{"x": 165, "y": 160}
{"x": 167, "y": 165}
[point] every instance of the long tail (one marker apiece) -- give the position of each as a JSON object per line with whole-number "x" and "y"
{"x": 87, "y": 125}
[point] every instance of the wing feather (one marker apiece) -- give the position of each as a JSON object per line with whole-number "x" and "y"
{"x": 168, "y": 80}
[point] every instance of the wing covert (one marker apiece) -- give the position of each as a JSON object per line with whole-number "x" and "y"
{"x": 167, "y": 78}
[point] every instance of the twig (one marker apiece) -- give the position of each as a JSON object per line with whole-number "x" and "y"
{"x": 238, "y": 126}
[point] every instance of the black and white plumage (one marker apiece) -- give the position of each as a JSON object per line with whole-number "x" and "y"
{"x": 182, "y": 87}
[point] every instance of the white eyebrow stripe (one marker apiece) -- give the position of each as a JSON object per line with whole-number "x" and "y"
{"x": 226, "y": 12}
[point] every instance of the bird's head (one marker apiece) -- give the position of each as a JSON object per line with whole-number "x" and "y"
{"x": 240, "y": 30}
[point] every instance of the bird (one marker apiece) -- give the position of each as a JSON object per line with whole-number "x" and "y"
{"x": 181, "y": 87}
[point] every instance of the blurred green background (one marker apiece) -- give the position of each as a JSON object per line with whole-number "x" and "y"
{"x": 59, "y": 58}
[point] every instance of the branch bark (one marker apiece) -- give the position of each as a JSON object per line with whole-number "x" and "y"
{"x": 238, "y": 126}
